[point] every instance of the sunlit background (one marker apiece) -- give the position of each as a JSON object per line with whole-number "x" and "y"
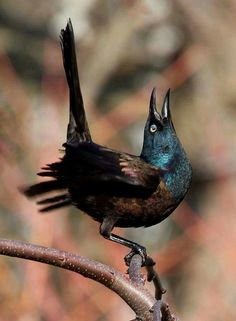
{"x": 125, "y": 48}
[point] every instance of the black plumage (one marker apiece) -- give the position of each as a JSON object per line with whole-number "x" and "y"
{"x": 113, "y": 187}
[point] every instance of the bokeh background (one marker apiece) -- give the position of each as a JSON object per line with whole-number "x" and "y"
{"x": 125, "y": 48}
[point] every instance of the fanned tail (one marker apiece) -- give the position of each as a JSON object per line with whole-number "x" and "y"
{"x": 43, "y": 187}
{"x": 77, "y": 130}
{"x": 57, "y": 185}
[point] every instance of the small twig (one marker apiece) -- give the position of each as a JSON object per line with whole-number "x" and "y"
{"x": 152, "y": 276}
{"x": 134, "y": 270}
{"x": 166, "y": 313}
{"x": 157, "y": 311}
{"x": 137, "y": 278}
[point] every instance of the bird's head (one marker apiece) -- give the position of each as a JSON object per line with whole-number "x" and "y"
{"x": 161, "y": 146}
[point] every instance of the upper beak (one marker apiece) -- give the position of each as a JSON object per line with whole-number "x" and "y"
{"x": 165, "y": 112}
{"x": 153, "y": 113}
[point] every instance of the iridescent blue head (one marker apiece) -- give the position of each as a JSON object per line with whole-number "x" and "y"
{"x": 160, "y": 140}
{"x": 162, "y": 148}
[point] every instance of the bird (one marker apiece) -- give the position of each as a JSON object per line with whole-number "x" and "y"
{"x": 115, "y": 188}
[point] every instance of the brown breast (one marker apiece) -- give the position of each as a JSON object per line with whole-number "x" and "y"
{"x": 131, "y": 212}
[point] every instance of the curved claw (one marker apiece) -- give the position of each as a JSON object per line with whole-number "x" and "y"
{"x": 140, "y": 250}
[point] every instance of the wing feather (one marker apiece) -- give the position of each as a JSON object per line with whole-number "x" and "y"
{"x": 97, "y": 169}
{"x": 91, "y": 169}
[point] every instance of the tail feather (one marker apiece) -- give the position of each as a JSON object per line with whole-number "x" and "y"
{"x": 43, "y": 187}
{"x": 47, "y": 174}
{"x": 77, "y": 130}
{"x": 50, "y": 202}
{"x": 54, "y": 206}
{"x": 54, "y": 199}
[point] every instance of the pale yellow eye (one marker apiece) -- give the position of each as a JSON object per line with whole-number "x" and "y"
{"x": 153, "y": 128}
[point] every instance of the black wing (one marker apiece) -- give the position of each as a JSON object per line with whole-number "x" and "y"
{"x": 92, "y": 169}
{"x": 100, "y": 168}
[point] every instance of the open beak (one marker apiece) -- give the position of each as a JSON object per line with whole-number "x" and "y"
{"x": 165, "y": 112}
{"x": 153, "y": 113}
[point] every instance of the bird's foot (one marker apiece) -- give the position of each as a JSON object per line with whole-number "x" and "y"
{"x": 140, "y": 250}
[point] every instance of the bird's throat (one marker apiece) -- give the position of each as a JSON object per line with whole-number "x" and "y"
{"x": 178, "y": 178}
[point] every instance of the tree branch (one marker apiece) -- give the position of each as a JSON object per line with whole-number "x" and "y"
{"x": 134, "y": 270}
{"x": 138, "y": 298}
{"x": 131, "y": 290}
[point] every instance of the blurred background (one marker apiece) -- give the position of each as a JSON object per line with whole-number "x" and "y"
{"x": 125, "y": 48}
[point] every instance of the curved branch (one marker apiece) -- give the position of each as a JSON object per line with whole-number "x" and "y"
{"x": 138, "y": 298}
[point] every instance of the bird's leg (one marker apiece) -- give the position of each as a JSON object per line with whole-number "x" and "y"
{"x": 135, "y": 248}
{"x": 105, "y": 230}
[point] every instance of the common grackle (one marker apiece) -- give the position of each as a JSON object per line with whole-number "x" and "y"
{"x": 113, "y": 187}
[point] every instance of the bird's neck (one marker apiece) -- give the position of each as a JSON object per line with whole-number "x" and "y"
{"x": 176, "y": 173}
{"x": 178, "y": 178}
